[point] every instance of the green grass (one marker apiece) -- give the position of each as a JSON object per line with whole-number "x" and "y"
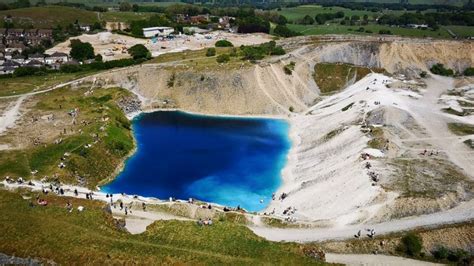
{"x": 91, "y": 237}
{"x": 331, "y": 77}
{"x": 461, "y": 31}
{"x": 335, "y": 28}
{"x": 461, "y": 129}
{"x": 295, "y": 13}
{"x": 95, "y": 163}
{"x": 125, "y": 16}
{"x": 378, "y": 140}
{"x": 20, "y": 85}
{"x": 49, "y": 16}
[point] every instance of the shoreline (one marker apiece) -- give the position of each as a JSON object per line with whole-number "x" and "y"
{"x": 135, "y": 115}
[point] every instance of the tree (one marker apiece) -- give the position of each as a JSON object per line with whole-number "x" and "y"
{"x": 224, "y": 43}
{"x": 81, "y": 50}
{"x": 307, "y": 20}
{"x": 135, "y": 8}
{"x": 284, "y": 31}
{"x": 211, "y": 52}
{"x": 125, "y": 6}
{"x": 139, "y": 51}
{"x": 439, "y": 69}
{"x": 411, "y": 244}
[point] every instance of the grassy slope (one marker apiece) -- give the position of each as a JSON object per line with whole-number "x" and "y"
{"x": 94, "y": 164}
{"x": 375, "y": 28}
{"x": 299, "y": 12}
{"x": 20, "y": 85}
{"x": 50, "y": 16}
{"x": 125, "y": 16}
{"x": 332, "y": 77}
{"x": 90, "y": 237}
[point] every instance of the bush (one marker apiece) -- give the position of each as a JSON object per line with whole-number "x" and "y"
{"x": 439, "y": 69}
{"x": 233, "y": 52}
{"x": 211, "y": 52}
{"x": 139, "y": 51}
{"x": 223, "y": 58}
{"x": 224, "y": 43}
{"x": 257, "y": 52}
{"x": 411, "y": 244}
{"x": 469, "y": 71}
{"x": 68, "y": 68}
{"x": 441, "y": 253}
{"x": 386, "y": 32}
{"x": 284, "y": 31}
{"x": 288, "y": 69}
{"x": 423, "y": 74}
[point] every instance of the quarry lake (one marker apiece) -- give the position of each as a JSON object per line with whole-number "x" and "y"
{"x": 226, "y": 160}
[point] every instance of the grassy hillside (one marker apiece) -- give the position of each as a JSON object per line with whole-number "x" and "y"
{"x": 100, "y": 124}
{"x": 50, "y": 16}
{"x": 124, "y": 16}
{"x": 462, "y": 31}
{"x": 92, "y": 237}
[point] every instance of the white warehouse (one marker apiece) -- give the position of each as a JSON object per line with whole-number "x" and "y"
{"x": 157, "y": 31}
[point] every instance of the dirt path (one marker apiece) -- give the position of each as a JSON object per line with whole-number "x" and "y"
{"x": 461, "y": 213}
{"x": 369, "y": 260}
{"x": 11, "y": 114}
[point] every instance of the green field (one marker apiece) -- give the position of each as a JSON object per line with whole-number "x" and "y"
{"x": 124, "y": 16}
{"x": 374, "y": 28}
{"x": 49, "y": 17}
{"x": 100, "y": 2}
{"x": 299, "y": 12}
{"x": 92, "y": 237}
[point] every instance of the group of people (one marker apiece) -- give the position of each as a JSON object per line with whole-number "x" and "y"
{"x": 202, "y": 222}
{"x": 371, "y": 233}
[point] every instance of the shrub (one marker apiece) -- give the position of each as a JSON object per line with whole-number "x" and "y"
{"x": 441, "y": 253}
{"x": 223, "y": 58}
{"x": 288, "y": 69}
{"x": 469, "y": 71}
{"x": 69, "y": 68}
{"x": 291, "y": 109}
{"x": 284, "y": 31}
{"x": 170, "y": 82}
{"x": 411, "y": 244}
{"x": 211, "y": 52}
{"x": 257, "y": 52}
{"x": 387, "y": 32}
{"x": 439, "y": 69}
{"x": 224, "y": 43}
{"x": 423, "y": 74}
{"x": 139, "y": 51}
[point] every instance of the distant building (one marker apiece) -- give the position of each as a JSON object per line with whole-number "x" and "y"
{"x": 199, "y": 19}
{"x": 19, "y": 59}
{"x": 56, "y": 58}
{"x": 17, "y": 46}
{"x": 112, "y": 25}
{"x": 30, "y": 33}
{"x": 15, "y": 32}
{"x": 157, "y": 32}
{"x": 36, "y": 57}
{"x": 45, "y": 33}
{"x": 34, "y": 63}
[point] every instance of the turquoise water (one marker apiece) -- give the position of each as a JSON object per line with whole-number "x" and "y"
{"x": 229, "y": 161}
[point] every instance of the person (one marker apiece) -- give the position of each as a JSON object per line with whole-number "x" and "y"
{"x": 143, "y": 206}
{"x": 75, "y": 192}
{"x": 61, "y": 191}
{"x": 126, "y": 210}
{"x": 121, "y": 205}
{"x": 69, "y": 206}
